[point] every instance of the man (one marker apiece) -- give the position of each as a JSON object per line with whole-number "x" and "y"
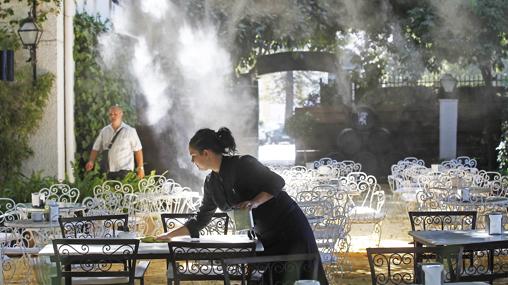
{"x": 120, "y": 159}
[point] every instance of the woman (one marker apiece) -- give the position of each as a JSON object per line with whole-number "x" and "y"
{"x": 243, "y": 182}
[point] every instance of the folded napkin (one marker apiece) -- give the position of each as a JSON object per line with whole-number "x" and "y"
{"x": 150, "y": 239}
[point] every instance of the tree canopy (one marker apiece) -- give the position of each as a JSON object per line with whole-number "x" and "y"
{"x": 417, "y": 35}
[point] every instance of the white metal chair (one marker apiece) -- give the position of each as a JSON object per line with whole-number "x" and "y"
{"x": 328, "y": 212}
{"x": 323, "y": 161}
{"x": 367, "y": 199}
{"x": 347, "y": 166}
{"x": 110, "y": 194}
{"x": 61, "y": 193}
{"x": 15, "y": 265}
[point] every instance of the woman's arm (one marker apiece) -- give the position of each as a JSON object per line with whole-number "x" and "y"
{"x": 255, "y": 202}
{"x": 181, "y": 231}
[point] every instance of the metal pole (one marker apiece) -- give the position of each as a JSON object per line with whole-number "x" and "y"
{"x": 33, "y": 56}
{"x": 33, "y": 48}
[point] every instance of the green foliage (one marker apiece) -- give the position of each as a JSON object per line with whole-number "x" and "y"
{"x": 19, "y": 187}
{"x": 88, "y": 180}
{"x": 96, "y": 88}
{"x": 8, "y": 39}
{"x": 22, "y": 106}
{"x": 300, "y": 125}
{"x": 480, "y": 41}
{"x": 502, "y": 150}
{"x": 44, "y": 8}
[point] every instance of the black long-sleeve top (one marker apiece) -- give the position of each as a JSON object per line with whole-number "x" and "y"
{"x": 241, "y": 178}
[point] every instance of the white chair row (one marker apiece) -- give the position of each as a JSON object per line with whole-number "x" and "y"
{"x": 157, "y": 194}
{"x": 15, "y": 261}
{"x": 299, "y": 178}
{"x": 460, "y": 161}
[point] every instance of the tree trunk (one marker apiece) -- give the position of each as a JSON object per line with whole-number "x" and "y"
{"x": 289, "y": 94}
{"x": 486, "y": 74}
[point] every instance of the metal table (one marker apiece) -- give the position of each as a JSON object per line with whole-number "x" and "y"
{"x": 37, "y": 234}
{"x": 160, "y": 250}
{"x": 485, "y": 255}
{"x": 440, "y": 238}
{"x": 62, "y": 207}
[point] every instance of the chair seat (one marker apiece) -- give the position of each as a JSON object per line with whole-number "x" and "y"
{"x": 329, "y": 231}
{"x": 7, "y": 237}
{"x": 408, "y": 189}
{"x": 328, "y": 258}
{"x": 408, "y": 197}
{"x": 366, "y": 214}
{"x": 19, "y": 250}
{"x": 99, "y": 280}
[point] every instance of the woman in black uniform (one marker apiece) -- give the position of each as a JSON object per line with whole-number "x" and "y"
{"x": 243, "y": 182}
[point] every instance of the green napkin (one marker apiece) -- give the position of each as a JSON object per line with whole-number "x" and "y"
{"x": 150, "y": 239}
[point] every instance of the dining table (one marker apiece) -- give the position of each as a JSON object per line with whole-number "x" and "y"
{"x": 444, "y": 238}
{"x": 63, "y": 207}
{"x": 36, "y": 233}
{"x": 160, "y": 249}
{"x": 45, "y": 267}
{"x": 485, "y": 255}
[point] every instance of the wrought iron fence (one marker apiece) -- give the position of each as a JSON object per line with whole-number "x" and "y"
{"x": 499, "y": 80}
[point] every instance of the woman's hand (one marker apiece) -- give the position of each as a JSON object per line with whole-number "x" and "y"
{"x": 247, "y": 205}
{"x": 181, "y": 231}
{"x": 255, "y": 202}
{"x": 164, "y": 236}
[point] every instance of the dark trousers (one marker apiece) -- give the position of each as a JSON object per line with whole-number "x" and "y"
{"x": 293, "y": 235}
{"x": 117, "y": 175}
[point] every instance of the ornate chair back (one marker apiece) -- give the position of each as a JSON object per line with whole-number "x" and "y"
{"x": 442, "y": 220}
{"x": 398, "y": 265}
{"x": 107, "y": 226}
{"x": 202, "y": 261}
{"x": 14, "y": 258}
{"x": 275, "y": 269}
{"x": 61, "y": 193}
{"x": 109, "y": 261}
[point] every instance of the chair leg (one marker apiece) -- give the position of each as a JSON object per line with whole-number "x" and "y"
{"x": 377, "y": 230}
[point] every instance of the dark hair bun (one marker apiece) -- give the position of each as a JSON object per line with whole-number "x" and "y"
{"x": 226, "y": 140}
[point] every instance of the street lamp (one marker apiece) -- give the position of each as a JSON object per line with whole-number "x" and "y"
{"x": 448, "y": 118}
{"x": 448, "y": 82}
{"x": 30, "y": 34}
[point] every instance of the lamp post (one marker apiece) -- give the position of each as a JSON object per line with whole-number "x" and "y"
{"x": 30, "y": 34}
{"x": 448, "y": 82}
{"x": 346, "y": 62}
{"x": 448, "y": 118}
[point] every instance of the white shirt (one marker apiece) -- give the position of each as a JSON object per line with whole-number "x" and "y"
{"x": 121, "y": 153}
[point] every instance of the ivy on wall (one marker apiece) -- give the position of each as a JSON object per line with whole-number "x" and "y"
{"x": 7, "y": 9}
{"x": 22, "y": 106}
{"x": 96, "y": 87}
